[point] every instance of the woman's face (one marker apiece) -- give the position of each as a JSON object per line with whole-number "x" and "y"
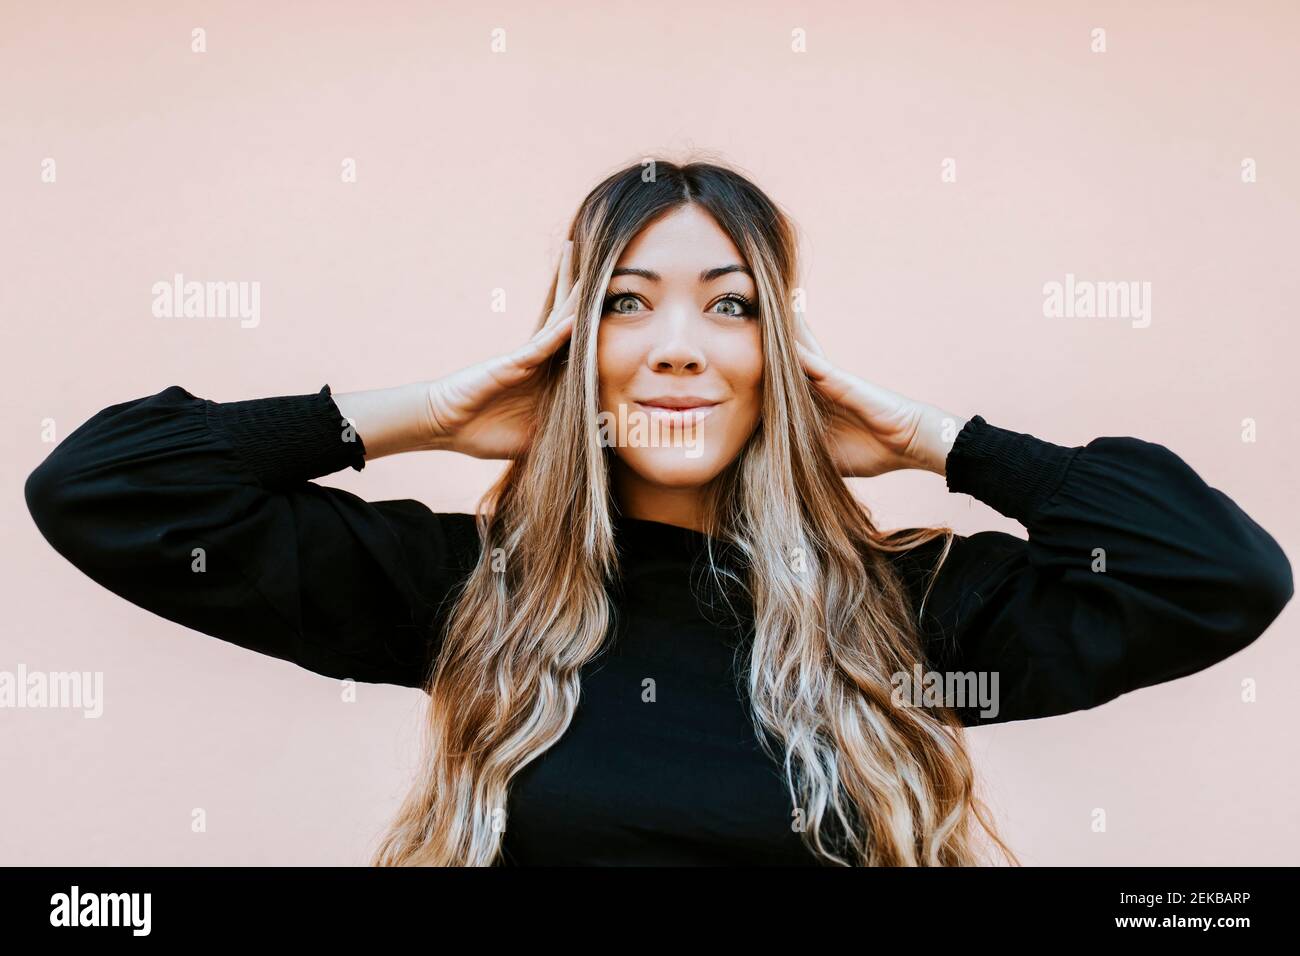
{"x": 679, "y": 352}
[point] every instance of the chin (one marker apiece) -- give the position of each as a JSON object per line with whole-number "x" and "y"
{"x": 673, "y": 467}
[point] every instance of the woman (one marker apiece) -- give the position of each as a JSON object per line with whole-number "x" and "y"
{"x": 695, "y": 649}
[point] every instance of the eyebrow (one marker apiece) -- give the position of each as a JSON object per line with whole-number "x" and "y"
{"x": 708, "y": 275}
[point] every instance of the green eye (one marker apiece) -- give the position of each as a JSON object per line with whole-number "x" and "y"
{"x": 745, "y": 303}
{"x": 618, "y": 295}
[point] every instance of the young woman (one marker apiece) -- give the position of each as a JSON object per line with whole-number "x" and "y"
{"x": 682, "y": 651}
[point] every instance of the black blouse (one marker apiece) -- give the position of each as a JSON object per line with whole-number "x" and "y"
{"x": 356, "y": 589}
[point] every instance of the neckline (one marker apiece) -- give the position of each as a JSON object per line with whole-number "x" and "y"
{"x": 630, "y": 522}
{"x": 642, "y": 535}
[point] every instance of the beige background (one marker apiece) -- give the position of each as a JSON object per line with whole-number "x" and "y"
{"x": 1123, "y": 165}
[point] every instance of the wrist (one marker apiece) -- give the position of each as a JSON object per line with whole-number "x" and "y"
{"x": 388, "y": 420}
{"x": 936, "y": 433}
{"x": 434, "y": 435}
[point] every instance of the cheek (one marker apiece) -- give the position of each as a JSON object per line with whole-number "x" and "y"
{"x": 741, "y": 361}
{"x": 617, "y": 361}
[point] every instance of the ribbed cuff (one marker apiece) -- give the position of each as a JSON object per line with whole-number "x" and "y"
{"x": 1011, "y": 472}
{"x": 289, "y": 438}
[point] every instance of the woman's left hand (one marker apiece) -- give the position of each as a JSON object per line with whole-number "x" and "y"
{"x": 874, "y": 430}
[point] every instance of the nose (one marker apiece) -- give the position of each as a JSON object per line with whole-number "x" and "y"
{"x": 676, "y": 348}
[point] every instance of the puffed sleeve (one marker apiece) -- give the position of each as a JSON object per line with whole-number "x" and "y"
{"x": 206, "y": 513}
{"x": 1135, "y": 572}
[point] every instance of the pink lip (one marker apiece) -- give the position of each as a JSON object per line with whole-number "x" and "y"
{"x": 678, "y": 416}
{"x": 678, "y": 403}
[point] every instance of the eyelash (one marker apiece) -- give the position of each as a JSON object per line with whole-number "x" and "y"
{"x": 615, "y": 294}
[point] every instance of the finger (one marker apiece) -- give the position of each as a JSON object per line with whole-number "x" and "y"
{"x": 562, "y": 286}
{"x": 803, "y": 333}
{"x": 849, "y": 390}
{"x": 562, "y": 307}
{"x": 541, "y": 346}
{"x": 546, "y": 344}
{"x": 814, "y": 363}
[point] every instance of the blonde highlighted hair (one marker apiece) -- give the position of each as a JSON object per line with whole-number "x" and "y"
{"x": 877, "y": 783}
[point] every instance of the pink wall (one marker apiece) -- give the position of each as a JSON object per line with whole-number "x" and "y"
{"x": 1122, "y": 165}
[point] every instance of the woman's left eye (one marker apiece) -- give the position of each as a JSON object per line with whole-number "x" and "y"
{"x": 614, "y": 298}
{"x": 743, "y": 306}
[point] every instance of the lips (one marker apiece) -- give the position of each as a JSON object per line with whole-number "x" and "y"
{"x": 678, "y": 402}
{"x": 676, "y": 412}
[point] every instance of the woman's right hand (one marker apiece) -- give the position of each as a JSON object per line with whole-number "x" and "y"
{"x": 489, "y": 410}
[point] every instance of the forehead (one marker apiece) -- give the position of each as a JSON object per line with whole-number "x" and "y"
{"x": 684, "y": 240}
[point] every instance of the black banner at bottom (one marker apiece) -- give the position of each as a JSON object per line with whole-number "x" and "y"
{"x": 238, "y": 904}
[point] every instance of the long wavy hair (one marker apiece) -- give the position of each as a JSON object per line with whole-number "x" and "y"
{"x": 873, "y": 782}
